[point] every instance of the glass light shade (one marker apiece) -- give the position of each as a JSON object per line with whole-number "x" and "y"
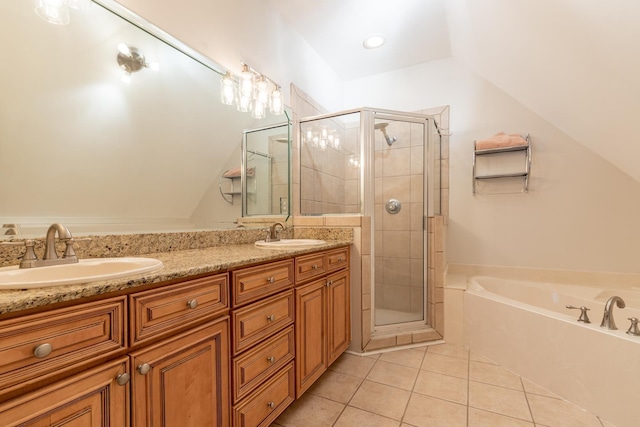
{"x": 227, "y": 89}
{"x": 258, "y": 109}
{"x": 244, "y": 104}
{"x": 53, "y": 11}
{"x": 246, "y": 83}
{"x": 276, "y": 106}
{"x": 262, "y": 90}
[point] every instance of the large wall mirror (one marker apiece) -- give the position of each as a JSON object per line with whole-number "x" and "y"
{"x": 81, "y": 146}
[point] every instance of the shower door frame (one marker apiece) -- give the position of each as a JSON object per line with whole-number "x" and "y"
{"x": 367, "y": 133}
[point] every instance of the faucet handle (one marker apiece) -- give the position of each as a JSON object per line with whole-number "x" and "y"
{"x": 29, "y": 254}
{"x": 583, "y": 313}
{"x": 633, "y": 328}
{"x": 69, "y": 252}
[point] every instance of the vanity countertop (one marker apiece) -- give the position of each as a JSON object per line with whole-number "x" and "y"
{"x": 177, "y": 265}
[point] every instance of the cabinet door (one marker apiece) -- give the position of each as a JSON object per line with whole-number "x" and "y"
{"x": 311, "y": 354}
{"x": 183, "y": 381}
{"x": 91, "y": 399}
{"x": 339, "y": 315}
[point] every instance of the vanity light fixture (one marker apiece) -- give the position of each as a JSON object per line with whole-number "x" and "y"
{"x": 131, "y": 60}
{"x": 251, "y": 92}
{"x": 374, "y": 41}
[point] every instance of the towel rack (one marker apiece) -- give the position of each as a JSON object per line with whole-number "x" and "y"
{"x": 524, "y": 174}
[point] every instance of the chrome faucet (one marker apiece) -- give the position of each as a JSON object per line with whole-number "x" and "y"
{"x": 273, "y": 232}
{"x": 607, "y": 318}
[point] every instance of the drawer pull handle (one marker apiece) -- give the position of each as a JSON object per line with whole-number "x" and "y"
{"x": 271, "y": 405}
{"x": 314, "y": 267}
{"x": 42, "y": 351}
{"x": 329, "y": 282}
{"x": 340, "y": 259}
{"x": 144, "y": 369}
{"x": 271, "y": 359}
{"x": 271, "y": 318}
{"x": 271, "y": 280}
{"x": 123, "y": 379}
{"x": 193, "y": 303}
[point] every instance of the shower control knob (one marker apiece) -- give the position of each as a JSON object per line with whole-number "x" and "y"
{"x": 393, "y": 206}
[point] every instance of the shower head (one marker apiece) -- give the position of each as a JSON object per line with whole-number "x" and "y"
{"x": 383, "y": 128}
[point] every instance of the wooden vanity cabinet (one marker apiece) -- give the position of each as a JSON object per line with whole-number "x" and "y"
{"x": 263, "y": 346}
{"x": 323, "y": 322}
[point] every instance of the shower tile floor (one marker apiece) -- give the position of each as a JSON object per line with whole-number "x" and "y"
{"x": 439, "y": 385}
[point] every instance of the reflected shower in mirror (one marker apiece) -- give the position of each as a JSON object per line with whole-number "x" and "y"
{"x": 79, "y": 145}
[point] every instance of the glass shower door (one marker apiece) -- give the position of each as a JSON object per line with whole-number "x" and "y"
{"x": 399, "y": 212}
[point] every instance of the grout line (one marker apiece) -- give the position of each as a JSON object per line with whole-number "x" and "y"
{"x": 468, "y": 388}
{"x": 526, "y": 397}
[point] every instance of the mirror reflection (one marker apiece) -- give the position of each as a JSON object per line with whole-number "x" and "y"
{"x": 105, "y": 147}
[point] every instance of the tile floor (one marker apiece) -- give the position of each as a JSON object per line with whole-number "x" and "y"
{"x": 439, "y": 385}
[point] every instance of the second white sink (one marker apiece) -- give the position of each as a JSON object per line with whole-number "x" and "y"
{"x": 290, "y": 243}
{"x": 84, "y": 271}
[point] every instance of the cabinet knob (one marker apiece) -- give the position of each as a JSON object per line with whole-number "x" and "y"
{"x": 271, "y": 405}
{"x": 123, "y": 379}
{"x": 144, "y": 369}
{"x": 340, "y": 259}
{"x": 42, "y": 351}
{"x": 271, "y": 359}
{"x": 271, "y": 318}
{"x": 271, "y": 280}
{"x": 314, "y": 267}
{"x": 329, "y": 283}
{"x": 193, "y": 303}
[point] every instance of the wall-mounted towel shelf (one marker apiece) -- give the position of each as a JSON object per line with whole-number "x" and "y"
{"x": 523, "y": 174}
{"x": 229, "y": 188}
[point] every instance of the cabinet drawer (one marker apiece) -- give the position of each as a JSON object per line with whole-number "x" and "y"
{"x": 254, "y": 283}
{"x": 39, "y": 346}
{"x": 257, "y": 364}
{"x": 310, "y": 266}
{"x": 257, "y": 321}
{"x": 337, "y": 259}
{"x": 265, "y": 404}
{"x": 158, "y": 311}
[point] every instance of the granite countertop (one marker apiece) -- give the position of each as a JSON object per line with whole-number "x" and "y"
{"x": 177, "y": 265}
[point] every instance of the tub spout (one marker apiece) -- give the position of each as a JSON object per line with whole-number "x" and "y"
{"x": 607, "y": 318}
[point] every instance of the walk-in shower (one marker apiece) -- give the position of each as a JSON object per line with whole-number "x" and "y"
{"x": 383, "y": 165}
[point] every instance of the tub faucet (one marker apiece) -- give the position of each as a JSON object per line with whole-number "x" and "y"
{"x": 273, "y": 232}
{"x": 607, "y": 318}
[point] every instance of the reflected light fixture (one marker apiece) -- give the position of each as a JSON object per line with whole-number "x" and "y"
{"x": 57, "y": 11}
{"x": 251, "y": 92}
{"x": 374, "y": 41}
{"x": 131, "y": 60}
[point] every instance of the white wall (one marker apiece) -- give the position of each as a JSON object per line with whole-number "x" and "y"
{"x": 581, "y": 213}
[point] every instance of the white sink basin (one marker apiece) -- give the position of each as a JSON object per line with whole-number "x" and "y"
{"x": 85, "y": 271}
{"x": 290, "y": 244}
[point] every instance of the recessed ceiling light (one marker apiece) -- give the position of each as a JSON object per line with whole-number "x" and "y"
{"x": 374, "y": 41}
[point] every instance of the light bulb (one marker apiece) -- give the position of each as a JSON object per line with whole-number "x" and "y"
{"x": 276, "y": 107}
{"x": 258, "y": 109}
{"x": 244, "y": 104}
{"x": 262, "y": 89}
{"x": 246, "y": 82}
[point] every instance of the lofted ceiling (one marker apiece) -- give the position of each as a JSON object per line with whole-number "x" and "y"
{"x": 576, "y": 63}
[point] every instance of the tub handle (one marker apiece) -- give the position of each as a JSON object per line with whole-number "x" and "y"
{"x": 633, "y": 329}
{"x": 583, "y": 313}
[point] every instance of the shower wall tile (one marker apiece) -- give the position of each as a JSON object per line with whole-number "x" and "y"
{"x": 417, "y": 135}
{"x": 378, "y": 161}
{"x": 404, "y": 339}
{"x": 424, "y": 336}
{"x": 400, "y": 221}
{"x": 417, "y": 160}
{"x": 366, "y": 328}
{"x": 366, "y": 275}
{"x": 396, "y": 271}
{"x": 417, "y": 245}
{"x": 417, "y": 299}
{"x": 402, "y": 132}
{"x": 396, "y": 187}
{"x": 308, "y": 221}
{"x": 417, "y": 273}
{"x": 377, "y": 215}
{"x": 394, "y": 244}
{"x": 378, "y": 191}
{"x": 366, "y": 235}
{"x": 381, "y": 342}
{"x": 397, "y": 163}
{"x": 417, "y": 188}
{"x": 417, "y": 213}
{"x": 439, "y": 295}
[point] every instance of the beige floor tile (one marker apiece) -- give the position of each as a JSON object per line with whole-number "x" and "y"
{"x": 449, "y": 350}
{"x": 493, "y": 374}
{"x": 356, "y": 366}
{"x": 336, "y": 386}
{"x": 424, "y": 411}
{"x": 310, "y": 411}
{"x": 446, "y": 365}
{"x": 442, "y": 386}
{"x": 409, "y": 357}
{"x": 477, "y": 357}
{"x": 552, "y": 412}
{"x": 480, "y": 418}
{"x": 352, "y": 417}
{"x": 533, "y": 388}
{"x": 381, "y": 399}
{"x": 399, "y": 376}
{"x": 606, "y": 423}
{"x": 500, "y": 400}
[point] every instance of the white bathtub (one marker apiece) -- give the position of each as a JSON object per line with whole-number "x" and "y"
{"x": 525, "y": 327}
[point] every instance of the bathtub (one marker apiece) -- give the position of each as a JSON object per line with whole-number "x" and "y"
{"x": 525, "y": 327}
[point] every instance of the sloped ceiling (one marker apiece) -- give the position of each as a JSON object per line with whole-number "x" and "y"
{"x": 576, "y": 63}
